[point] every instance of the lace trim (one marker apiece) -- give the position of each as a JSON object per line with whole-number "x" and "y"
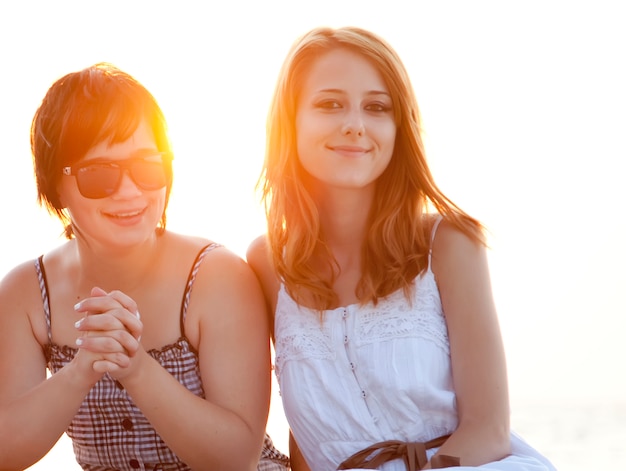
{"x": 394, "y": 317}
{"x": 300, "y": 333}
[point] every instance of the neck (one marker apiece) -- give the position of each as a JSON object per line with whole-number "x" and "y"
{"x": 344, "y": 215}
{"x": 110, "y": 269}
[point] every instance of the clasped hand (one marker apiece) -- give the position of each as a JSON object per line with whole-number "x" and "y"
{"x": 110, "y": 331}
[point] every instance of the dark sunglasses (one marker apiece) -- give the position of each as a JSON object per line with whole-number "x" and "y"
{"x": 101, "y": 178}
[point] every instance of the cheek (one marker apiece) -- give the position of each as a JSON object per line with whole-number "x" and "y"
{"x": 81, "y": 215}
{"x": 304, "y": 157}
{"x": 302, "y": 133}
{"x": 65, "y": 191}
{"x": 390, "y": 133}
{"x": 303, "y": 143}
{"x": 160, "y": 200}
{"x": 70, "y": 197}
{"x": 389, "y": 140}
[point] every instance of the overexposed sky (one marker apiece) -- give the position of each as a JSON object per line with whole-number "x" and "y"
{"x": 523, "y": 105}
{"x": 524, "y": 110}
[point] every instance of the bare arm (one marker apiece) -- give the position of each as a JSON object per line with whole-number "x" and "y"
{"x": 258, "y": 258}
{"x": 297, "y": 461}
{"x": 224, "y": 431}
{"x": 477, "y": 353}
{"x": 34, "y": 411}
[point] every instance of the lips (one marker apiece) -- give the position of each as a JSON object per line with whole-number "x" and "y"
{"x": 350, "y": 151}
{"x": 126, "y": 214}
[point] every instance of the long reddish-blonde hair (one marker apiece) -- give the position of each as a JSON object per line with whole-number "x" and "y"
{"x": 397, "y": 243}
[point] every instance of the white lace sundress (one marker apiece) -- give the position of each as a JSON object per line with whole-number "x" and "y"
{"x": 365, "y": 374}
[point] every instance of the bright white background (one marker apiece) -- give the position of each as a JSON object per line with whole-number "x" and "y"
{"x": 524, "y": 108}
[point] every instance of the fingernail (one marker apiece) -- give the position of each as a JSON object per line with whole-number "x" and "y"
{"x": 137, "y": 314}
{"x": 78, "y": 323}
{"x": 79, "y": 341}
{"x": 77, "y": 306}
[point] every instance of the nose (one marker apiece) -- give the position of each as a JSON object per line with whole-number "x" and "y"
{"x": 353, "y": 124}
{"x": 127, "y": 188}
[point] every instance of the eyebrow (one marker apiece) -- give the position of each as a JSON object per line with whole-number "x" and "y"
{"x": 343, "y": 92}
{"x": 137, "y": 154}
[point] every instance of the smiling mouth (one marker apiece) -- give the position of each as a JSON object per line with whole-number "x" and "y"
{"x": 351, "y": 149}
{"x": 127, "y": 214}
{"x": 351, "y": 152}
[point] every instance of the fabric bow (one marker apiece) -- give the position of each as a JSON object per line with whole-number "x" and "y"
{"x": 412, "y": 453}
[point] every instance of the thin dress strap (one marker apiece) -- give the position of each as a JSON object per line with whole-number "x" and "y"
{"x": 190, "y": 280}
{"x": 43, "y": 287}
{"x": 433, "y": 231}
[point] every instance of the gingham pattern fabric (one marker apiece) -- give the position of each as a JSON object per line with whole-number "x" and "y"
{"x": 109, "y": 433}
{"x": 271, "y": 458}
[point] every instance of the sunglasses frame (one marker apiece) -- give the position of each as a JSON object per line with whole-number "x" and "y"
{"x": 124, "y": 165}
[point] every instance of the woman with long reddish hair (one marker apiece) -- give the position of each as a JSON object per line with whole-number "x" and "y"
{"x": 388, "y": 349}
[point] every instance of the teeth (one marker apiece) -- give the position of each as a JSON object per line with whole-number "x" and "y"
{"x": 127, "y": 215}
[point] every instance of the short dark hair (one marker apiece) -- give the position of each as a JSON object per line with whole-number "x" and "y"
{"x": 80, "y": 110}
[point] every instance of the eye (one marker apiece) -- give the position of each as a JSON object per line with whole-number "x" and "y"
{"x": 378, "y": 107}
{"x": 154, "y": 158}
{"x": 93, "y": 167}
{"x": 328, "y": 104}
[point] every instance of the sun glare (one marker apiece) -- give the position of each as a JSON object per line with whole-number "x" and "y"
{"x": 522, "y": 108}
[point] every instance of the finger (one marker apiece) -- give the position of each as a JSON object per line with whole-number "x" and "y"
{"x": 104, "y": 366}
{"x": 101, "y": 325}
{"x": 111, "y": 364}
{"x": 113, "y": 319}
{"x": 96, "y": 291}
{"x": 99, "y": 322}
{"x": 108, "y": 342}
{"x": 98, "y": 304}
{"x": 115, "y": 303}
{"x": 125, "y": 300}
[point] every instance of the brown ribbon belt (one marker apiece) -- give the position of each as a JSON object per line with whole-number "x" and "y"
{"x": 412, "y": 453}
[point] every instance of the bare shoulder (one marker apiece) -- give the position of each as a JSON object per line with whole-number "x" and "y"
{"x": 461, "y": 269}
{"x": 183, "y": 242}
{"x": 258, "y": 255}
{"x": 185, "y": 248}
{"x": 221, "y": 269}
{"x": 259, "y": 258}
{"x": 20, "y": 283}
{"x": 453, "y": 250}
{"x": 225, "y": 290}
{"x": 23, "y": 272}
{"x": 20, "y": 301}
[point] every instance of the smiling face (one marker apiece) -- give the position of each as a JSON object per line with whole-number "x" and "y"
{"x": 130, "y": 215}
{"x": 345, "y": 124}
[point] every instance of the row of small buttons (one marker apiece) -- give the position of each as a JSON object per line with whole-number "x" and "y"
{"x": 127, "y": 424}
{"x": 344, "y": 315}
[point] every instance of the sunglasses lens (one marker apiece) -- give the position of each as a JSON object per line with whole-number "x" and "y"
{"x": 148, "y": 175}
{"x": 98, "y": 181}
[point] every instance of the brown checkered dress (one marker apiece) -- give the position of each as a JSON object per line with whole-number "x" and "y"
{"x": 109, "y": 432}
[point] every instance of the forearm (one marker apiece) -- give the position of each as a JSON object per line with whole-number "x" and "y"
{"x": 31, "y": 424}
{"x": 477, "y": 444}
{"x": 204, "y": 435}
{"x": 297, "y": 461}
